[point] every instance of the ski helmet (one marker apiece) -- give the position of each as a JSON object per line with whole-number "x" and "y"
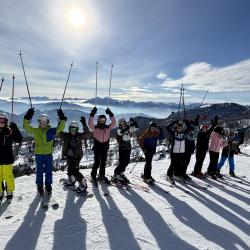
{"x": 74, "y": 124}
{"x": 43, "y": 117}
{"x": 121, "y": 120}
{"x": 152, "y": 124}
{"x": 3, "y": 116}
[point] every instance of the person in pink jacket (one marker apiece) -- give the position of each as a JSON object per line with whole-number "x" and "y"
{"x": 216, "y": 143}
{"x": 101, "y": 134}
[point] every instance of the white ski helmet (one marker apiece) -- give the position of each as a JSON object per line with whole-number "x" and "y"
{"x": 43, "y": 117}
{"x": 4, "y": 116}
{"x": 74, "y": 124}
{"x": 121, "y": 120}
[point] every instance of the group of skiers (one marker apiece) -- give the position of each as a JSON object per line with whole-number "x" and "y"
{"x": 182, "y": 140}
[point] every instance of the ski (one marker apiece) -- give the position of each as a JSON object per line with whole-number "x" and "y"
{"x": 8, "y": 213}
{"x": 73, "y": 188}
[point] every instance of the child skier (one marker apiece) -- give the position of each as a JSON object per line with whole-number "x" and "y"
{"x": 43, "y": 137}
{"x": 8, "y": 134}
{"x": 72, "y": 151}
{"x": 202, "y": 143}
{"x": 148, "y": 143}
{"x": 101, "y": 134}
{"x": 216, "y": 143}
{"x": 228, "y": 152}
{"x": 177, "y": 150}
{"x": 124, "y": 132}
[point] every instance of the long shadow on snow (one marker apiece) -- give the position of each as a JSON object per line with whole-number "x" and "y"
{"x": 28, "y": 233}
{"x": 224, "y": 213}
{"x": 163, "y": 234}
{"x": 70, "y": 231}
{"x": 214, "y": 233}
{"x": 119, "y": 232}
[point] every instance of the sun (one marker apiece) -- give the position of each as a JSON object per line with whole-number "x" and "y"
{"x": 76, "y": 17}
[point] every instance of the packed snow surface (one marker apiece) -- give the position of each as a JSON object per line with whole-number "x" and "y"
{"x": 216, "y": 218}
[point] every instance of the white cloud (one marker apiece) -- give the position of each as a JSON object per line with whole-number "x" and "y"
{"x": 203, "y": 76}
{"x": 161, "y": 76}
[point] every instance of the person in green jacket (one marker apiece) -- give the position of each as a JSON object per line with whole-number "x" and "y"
{"x": 43, "y": 137}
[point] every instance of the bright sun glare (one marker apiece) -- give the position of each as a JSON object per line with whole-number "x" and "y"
{"x": 76, "y": 17}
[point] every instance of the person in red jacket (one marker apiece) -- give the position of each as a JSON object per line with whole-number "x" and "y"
{"x": 101, "y": 134}
{"x": 148, "y": 143}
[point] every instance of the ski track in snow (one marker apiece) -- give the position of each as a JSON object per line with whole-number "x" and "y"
{"x": 216, "y": 218}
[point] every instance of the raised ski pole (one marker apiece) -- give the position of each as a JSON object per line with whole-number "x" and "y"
{"x": 25, "y": 78}
{"x": 183, "y": 102}
{"x": 180, "y": 103}
{"x": 12, "y": 97}
{"x": 71, "y": 65}
{"x": 96, "y": 73}
{"x": 2, "y": 80}
{"x": 110, "y": 80}
{"x": 204, "y": 98}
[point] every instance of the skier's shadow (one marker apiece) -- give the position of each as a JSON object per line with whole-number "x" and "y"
{"x": 212, "y": 232}
{"x": 71, "y": 230}
{"x": 119, "y": 232}
{"x": 163, "y": 234}
{"x": 31, "y": 226}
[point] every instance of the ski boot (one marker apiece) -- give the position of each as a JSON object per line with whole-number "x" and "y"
{"x": 103, "y": 179}
{"x": 212, "y": 175}
{"x": 187, "y": 177}
{"x": 49, "y": 190}
{"x": 117, "y": 178}
{"x": 124, "y": 177}
{"x": 9, "y": 197}
{"x": 82, "y": 188}
{"x": 232, "y": 174}
{"x": 70, "y": 181}
{"x": 147, "y": 180}
{"x": 218, "y": 174}
{"x": 170, "y": 179}
{"x": 40, "y": 190}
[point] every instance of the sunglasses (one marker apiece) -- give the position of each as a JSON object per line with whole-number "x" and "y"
{"x": 73, "y": 129}
{"x": 2, "y": 120}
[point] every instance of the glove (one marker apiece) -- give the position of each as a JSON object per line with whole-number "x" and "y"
{"x": 61, "y": 115}
{"x": 29, "y": 114}
{"x": 109, "y": 112}
{"x": 93, "y": 111}
{"x": 83, "y": 121}
{"x": 13, "y": 126}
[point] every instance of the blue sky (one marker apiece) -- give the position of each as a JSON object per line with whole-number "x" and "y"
{"x": 154, "y": 46}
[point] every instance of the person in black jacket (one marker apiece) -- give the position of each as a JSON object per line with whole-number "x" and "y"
{"x": 72, "y": 151}
{"x": 202, "y": 143}
{"x": 8, "y": 135}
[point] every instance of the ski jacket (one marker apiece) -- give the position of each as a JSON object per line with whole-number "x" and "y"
{"x": 124, "y": 135}
{"x": 178, "y": 140}
{"x": 43, "y": 137}
{"x": 7, "y": 137}
{"x": 190, "y": 143}
{"x": 203, "y": 139}
{"x": 148, "y": 140}
{"x": 101, "y": 134}
{"x": 216, "y": 142}
{"x": 231, "y": 149}
{"x": 67, "y": 138}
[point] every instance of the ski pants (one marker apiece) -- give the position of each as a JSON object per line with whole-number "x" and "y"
{"x": 230, "y": 161}
{"x": 6, "y": 175}
{"x": 124, "y": 158}
{"x": 187, "y": 159}
{"x": 200, "y": 157}
{"x": 44, "y": 164}
{"x": 177, "y": 164}
{"x": 148, "y": 165}
{"x": 74, "y": 169}
{"x": 214, "y": 157}
{"x": 100, "y": 157}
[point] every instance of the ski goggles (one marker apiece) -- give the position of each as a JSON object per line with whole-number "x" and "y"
{"x": 2, "y": 120}
{"x": 101, "y": 121}
{"x": 72, "y": 129}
